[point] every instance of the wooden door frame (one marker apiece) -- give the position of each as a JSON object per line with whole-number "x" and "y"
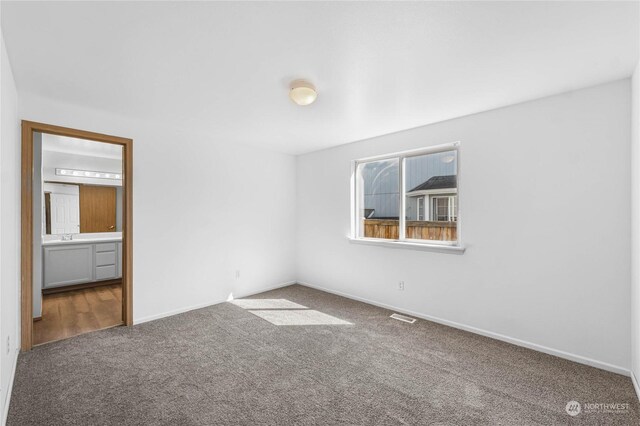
{"x": 26, "y": 309}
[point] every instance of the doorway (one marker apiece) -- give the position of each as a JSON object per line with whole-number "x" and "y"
{"x": 77, "y": 246}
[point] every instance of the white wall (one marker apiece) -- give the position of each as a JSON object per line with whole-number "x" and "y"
{"x": 61, "y": 188}
{"x": 9, "y": 228}
{"x": 635, "y": 227}
{"x": 546, "y": 212}
{"x": 202, "y": 210}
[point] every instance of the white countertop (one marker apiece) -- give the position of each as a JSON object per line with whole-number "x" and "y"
{"x": 106, "y": 237}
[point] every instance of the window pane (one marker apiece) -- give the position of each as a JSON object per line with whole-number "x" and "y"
{"x": 378, "y": 192}
{"x": 432, "y": 178}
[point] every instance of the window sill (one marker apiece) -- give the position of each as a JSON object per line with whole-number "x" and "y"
{"x": 441, "y": 248}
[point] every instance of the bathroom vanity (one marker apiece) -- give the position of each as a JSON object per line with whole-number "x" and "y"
{"x": 81, "y": 261}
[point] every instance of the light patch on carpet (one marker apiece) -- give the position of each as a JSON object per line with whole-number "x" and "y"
{"x": 267, "y": 304}
{"x": 403, "y": 318}
{"x": 302, "y": 317}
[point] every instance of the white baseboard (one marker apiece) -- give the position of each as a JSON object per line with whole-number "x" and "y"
{"x": 154, "y": 317}
{"x": 550, "y": 351}
{"x": 209, "y": 303}
{"x": 251, "y": 293}
{"x": 7, "y": 401}
{"x": 636, "y": 385}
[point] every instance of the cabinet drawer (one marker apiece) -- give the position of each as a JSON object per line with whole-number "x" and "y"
{"x": 105, "y": 247}
{"x": 105, "y": 272}
{"x": 105, "y": 258}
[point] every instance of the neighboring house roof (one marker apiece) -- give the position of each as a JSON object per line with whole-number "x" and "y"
{"x": 437, "y": 182}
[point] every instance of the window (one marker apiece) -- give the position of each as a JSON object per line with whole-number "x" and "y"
{"x": 443, "y": 208}
{"x": 380, "y": 198}
{"x": 408, "y": 197}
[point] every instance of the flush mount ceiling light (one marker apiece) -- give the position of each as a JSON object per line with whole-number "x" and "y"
{"x": 88, "y": 173}
{"x": 302, "y": 92}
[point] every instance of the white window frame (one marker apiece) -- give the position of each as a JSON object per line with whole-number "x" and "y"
{"x": 419, "y": 210}
{"x": 402, "y": 241}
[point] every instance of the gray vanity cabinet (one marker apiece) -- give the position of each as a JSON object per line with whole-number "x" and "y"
{"x": 68, "y": 265}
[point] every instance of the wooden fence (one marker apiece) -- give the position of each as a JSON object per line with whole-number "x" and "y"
{"x": 418, "y": 229}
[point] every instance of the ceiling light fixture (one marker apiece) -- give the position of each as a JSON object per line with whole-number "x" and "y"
{"x": 88, "y": 173}
{"x": 302, "y": 92}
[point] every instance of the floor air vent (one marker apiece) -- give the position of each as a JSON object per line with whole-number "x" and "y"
{"x": 403, "y": 318}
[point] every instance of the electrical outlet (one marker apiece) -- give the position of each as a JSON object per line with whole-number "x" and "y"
{"x": 8, "y": 344}
{"x": 401, "y": 285}
{"x": 237, "y": 274}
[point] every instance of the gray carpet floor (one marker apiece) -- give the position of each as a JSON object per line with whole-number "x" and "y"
{"x": 342, "y": 362}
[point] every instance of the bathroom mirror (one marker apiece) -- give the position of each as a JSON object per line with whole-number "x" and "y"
{"x": 81, "y": 186}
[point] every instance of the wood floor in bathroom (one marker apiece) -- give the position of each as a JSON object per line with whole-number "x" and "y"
{"x": 77, "y": 312}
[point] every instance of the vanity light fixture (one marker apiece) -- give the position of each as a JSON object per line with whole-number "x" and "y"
{"x": 88, "y": 174}
{"x": 302, "y": 92}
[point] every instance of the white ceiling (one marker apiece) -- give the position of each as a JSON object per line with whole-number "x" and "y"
{"x": 223, "y": 68}
{"x": 55, "y": 143}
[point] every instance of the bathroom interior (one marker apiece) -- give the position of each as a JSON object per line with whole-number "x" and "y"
{"x": 77, "y": 240}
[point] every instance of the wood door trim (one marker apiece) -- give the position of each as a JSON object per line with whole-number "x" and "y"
{"x": 26, "y": 264}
